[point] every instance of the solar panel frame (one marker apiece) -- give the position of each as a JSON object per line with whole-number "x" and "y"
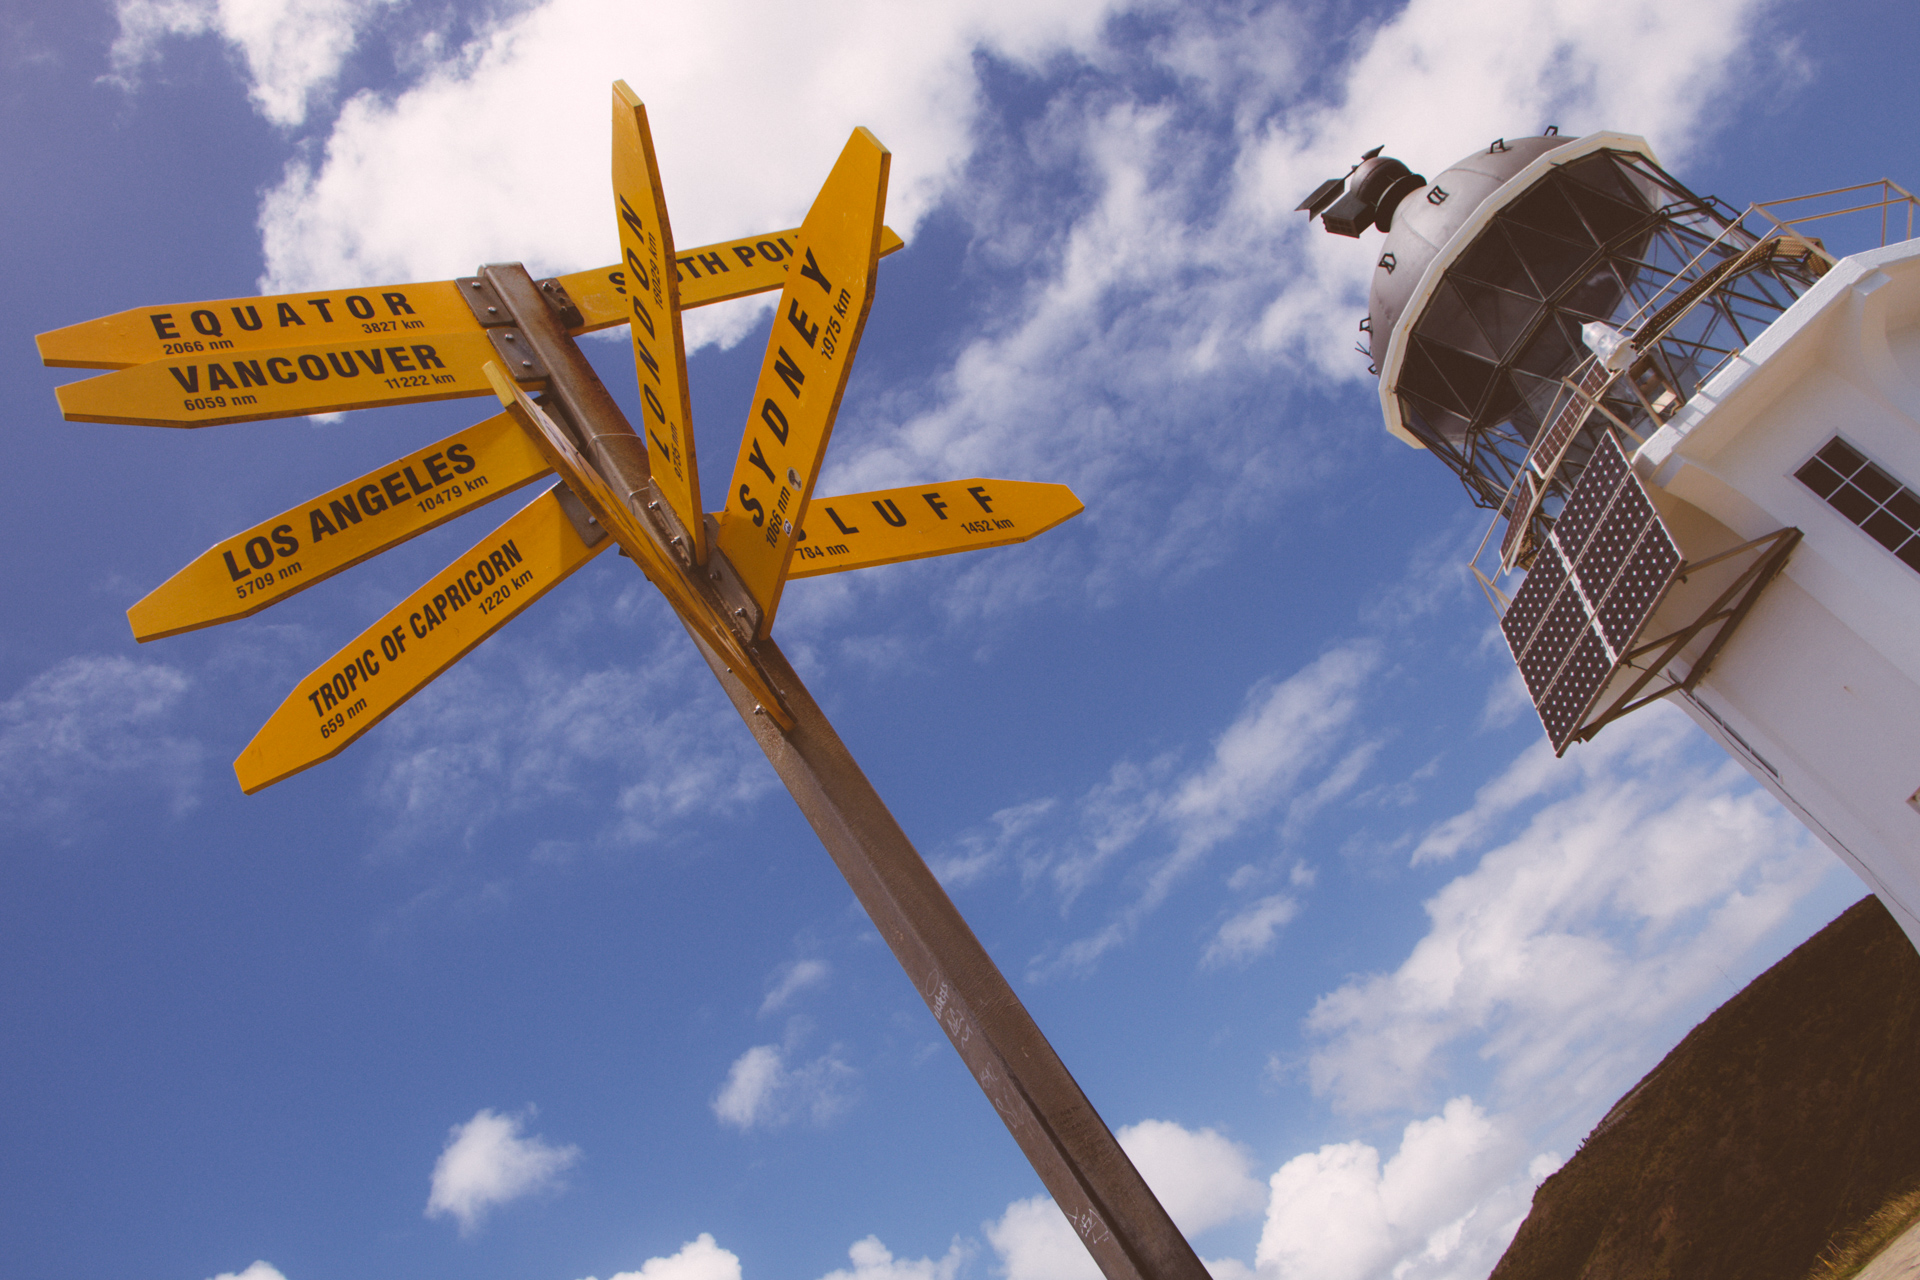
{"x": 1603, "y": 571}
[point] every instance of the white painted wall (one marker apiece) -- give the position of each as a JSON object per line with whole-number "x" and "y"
{"x": 1818, "y": 694}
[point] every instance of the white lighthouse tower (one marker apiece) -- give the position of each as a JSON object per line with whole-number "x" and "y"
{"x": 1701, "y": 441}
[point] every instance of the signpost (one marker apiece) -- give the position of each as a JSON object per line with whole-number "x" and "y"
{"x": 816, "y": 328}
{"x": 485, "y": 588}
{"x": 282, "y": 382}
{"x": 723, "y": 575}
{"x": 886, "y": 526}
{"x": 307, "y": 544}
{"x": 653, "y": 292}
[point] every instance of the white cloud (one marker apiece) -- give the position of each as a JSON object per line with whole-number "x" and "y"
{"x": 1035, "y": 1242}
{"x": 258, "y": 1271}
{"x": 1252, "y": 931}
{"x": 1256, "y": 765}
{"x": 292, "y": 49}
{"x": 977, "y": 852}
{"x": 89, "y": 725}
{"x": 795, "y": 978}
{"x": 1172, "y": 299}
{"x": 487, "y": 1163}
{"x": 872, "y": 1260}
{"x": 752, "y": 1081}
{"x": 1201, "y": 1177}
{"x": 698, "y": 1259}
{"x": 748, "y": 104}
{"x": 762, "y": 1092}
{"x": 1336, "y": 1214}
{"x": 1642, "y": 866}
{"x": 514, "y": 728}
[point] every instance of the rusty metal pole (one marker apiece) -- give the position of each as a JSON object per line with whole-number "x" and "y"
{"x": 1117, "y": 1216}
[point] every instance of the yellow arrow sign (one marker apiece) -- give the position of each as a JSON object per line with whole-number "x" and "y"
{"x": 710, "y": 273}
{"x": 197, "y": 330}
{"x": 817, "y": 323}
{"x": 859, "y": 530}
{"x": 206, "y": 390}
{"x": 190, "y": 331}
{"x": 618, "y": 519}
{"x": 303, "y": 545}
{"x": 659, "y": 350}
{"x": 419, "y": 638}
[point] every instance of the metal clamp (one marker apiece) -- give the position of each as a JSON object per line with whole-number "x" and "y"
{"x": 486, "y": 304}
{"x": 743, "y": 615}
{"x": 556, "y": 296}
{"x": 517, "y": 356}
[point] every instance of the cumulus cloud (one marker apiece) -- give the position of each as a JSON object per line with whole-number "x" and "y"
{"x": 762, "y": 1091}
{"x": 1642, "y": 863}
{"x": 1034, "y": 1241}
{"x": 1610, "y": 895}
{"x": 872, "y": 1260}
{"x": 488, "y": 1162}
{"x": 291, "y": 49}
{"x": 1338, "y": 1214}
{"x": 258, "y": 1271}
{"x": 1201, "y": 1177}
{"x": 90, "y": 724}
{"x": 748, "y": 114}
{"x": 698, "y": 1259}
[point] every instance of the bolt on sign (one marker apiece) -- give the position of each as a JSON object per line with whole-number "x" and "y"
{"x": 501, "y": 332}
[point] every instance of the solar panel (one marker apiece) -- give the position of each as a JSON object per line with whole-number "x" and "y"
{"x": 1588, "y": 502}
{"x": 1548, "y": 444}
{"x": 1519, "y": 516}
{"x": 1639, "y": 587}
{"x": 1531, "y": 600}
{"x": 1603, "y": 570}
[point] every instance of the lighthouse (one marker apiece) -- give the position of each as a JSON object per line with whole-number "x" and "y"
{"x": 1699, "y": 441}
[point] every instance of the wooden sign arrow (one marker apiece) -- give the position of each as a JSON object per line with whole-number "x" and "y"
{"x": 818, "y": 319}
{"x": 886, "y": 526}
{"x": 307, "y": 544}
{"x": 423, "y": 635}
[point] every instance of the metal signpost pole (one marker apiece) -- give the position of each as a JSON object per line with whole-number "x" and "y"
{"x": 1117, "y": 1216}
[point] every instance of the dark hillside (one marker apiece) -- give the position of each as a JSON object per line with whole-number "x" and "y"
{"x": 1780, "y": 1123}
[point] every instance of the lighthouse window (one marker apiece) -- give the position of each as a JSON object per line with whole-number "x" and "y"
{"x": 1868, "y": 496}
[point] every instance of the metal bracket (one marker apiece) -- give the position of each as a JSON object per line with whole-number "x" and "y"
{"x": 517, "y": 356}
{"x": 578, "y": 516}
{"x": 486, "y": 304}
{"x": 743, "y": 615}
{"x": 1727, "y": 612}
{"x": 556, "y": 296}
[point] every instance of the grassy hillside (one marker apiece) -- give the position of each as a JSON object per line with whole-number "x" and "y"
{"x": 1768, "y": 1137}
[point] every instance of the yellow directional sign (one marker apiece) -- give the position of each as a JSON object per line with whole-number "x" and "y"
{"x": 186, "y": 330}
{"x": 859, "y": 530}
{"x": 215, "y": 330}
{"x": 618, "y": 519}
{"x": 659, "y": 350}
{"x": 419, "y": 638}
{"x": 205, "y": 390}
{"x": 709, "y": 273}
{"x": 817, "y": 322}
{"x": 303, "y": 545}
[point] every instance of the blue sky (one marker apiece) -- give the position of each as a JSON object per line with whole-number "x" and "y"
{"x": 545, "y": 978}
